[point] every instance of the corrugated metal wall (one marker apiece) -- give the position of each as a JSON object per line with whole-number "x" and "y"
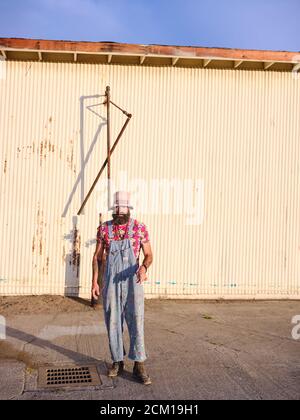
{"x": 234, "y": 134}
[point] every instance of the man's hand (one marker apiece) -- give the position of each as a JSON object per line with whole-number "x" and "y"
{"x": 95, "y": 291}
{"x": 141, "y": 274}
{"x": 96, "y": 258}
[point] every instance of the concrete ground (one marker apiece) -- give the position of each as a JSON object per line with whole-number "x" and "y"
{"x": 196, "y": 350}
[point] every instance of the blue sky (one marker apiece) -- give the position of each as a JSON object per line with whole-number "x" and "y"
{"x": 249, "y": 24}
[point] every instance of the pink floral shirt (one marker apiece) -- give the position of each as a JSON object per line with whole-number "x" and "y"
{"x": 140, "y": 235}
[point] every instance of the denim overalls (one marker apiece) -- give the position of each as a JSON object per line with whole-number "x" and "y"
{"x": 123, "y": 297}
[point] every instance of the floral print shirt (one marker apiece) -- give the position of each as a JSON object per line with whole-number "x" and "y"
{"x": 140, "y": 235}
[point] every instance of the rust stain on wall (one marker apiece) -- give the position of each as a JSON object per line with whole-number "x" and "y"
{"x": 47, "y": 265}
{"x": 40, "y": 261}
{"x": 45, "y": 145}
{"x": 40, "y": 231}
{"x": 51, "y": 147}
{"x": 37, "y": 240}
{"x": 26, "y": 151}
{"x": 41, "y": 152}
{"x": 45, "y": 148}
{"x": 5, "y": 166}
{"x": 70, "y": 154}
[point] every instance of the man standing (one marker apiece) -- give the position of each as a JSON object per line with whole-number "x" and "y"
{"x": 123, "y": 292}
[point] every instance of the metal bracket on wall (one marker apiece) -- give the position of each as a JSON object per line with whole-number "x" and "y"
{"x": 109, "y": 150}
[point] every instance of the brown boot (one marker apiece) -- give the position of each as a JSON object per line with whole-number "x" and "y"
{"x": 139, "y": 372}
{"x": 115, "y": 369}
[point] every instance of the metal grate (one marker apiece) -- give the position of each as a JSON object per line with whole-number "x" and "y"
{"x": 68, "y": 376}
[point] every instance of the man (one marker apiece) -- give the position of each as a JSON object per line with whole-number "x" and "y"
{"x": 123, "y": 292}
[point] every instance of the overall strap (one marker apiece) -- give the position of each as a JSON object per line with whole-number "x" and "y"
{"x": 130, "y": 230}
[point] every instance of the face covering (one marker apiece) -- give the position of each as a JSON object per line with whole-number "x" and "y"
{"x": 121, "y": 219}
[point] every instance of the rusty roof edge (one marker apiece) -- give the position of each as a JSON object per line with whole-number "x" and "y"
{"x": 108, "y": 47}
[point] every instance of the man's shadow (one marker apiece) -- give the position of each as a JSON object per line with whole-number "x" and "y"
{"x": 44, "y": 344}
{"x": 76, "y": 357}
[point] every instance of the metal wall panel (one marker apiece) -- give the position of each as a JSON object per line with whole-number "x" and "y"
{"x": 234, "y": 134}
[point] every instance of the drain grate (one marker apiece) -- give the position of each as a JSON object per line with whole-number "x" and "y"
{"x": 66, "y": 376}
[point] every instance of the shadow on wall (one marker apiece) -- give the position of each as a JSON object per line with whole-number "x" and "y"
{"x": 72, "y": 260}
{"x": 84, "y": 157}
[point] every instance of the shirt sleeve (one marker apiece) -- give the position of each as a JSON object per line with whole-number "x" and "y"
{"x": 100, "y": 234}
{"x": 144, "y": 234}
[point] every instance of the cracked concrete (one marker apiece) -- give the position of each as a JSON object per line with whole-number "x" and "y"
{"x": 196, "y": 350}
